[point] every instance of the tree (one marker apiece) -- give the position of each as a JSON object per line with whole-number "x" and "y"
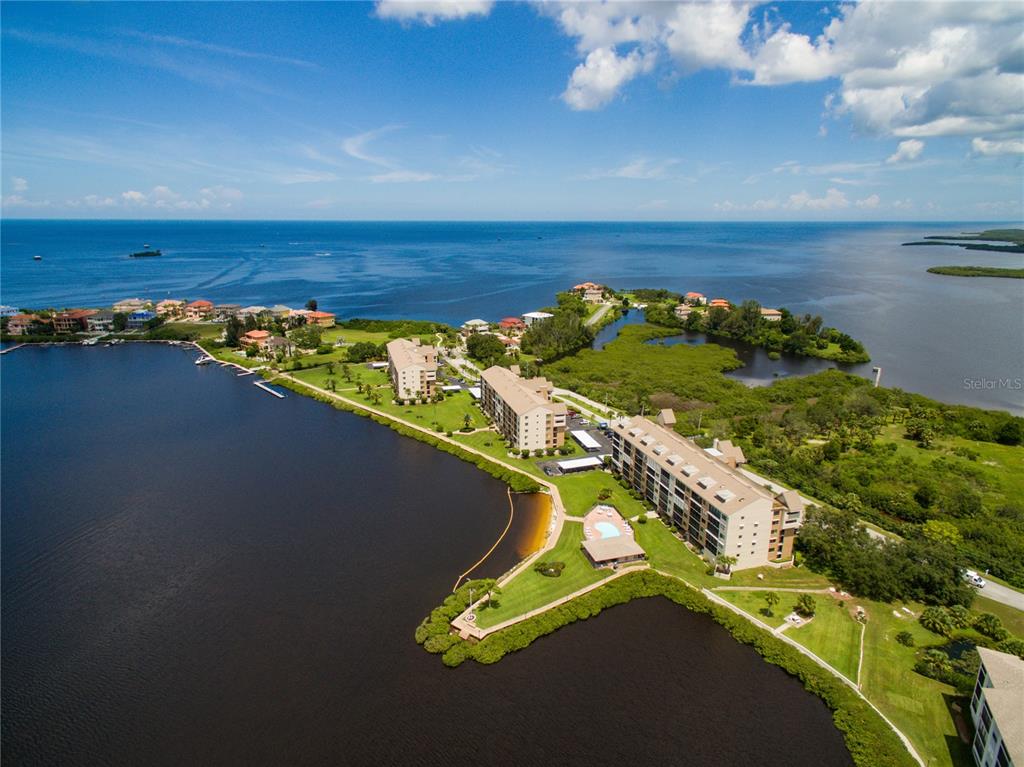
{"x": 467, "y": 422}
{"x": 805, "y": 606}
{"x": 232, "y": 332}
{"x": 937, "y": 621}
{"x": 771, "y": 599}
{"x": 346, "y": 372}
{"x": 363, "y": 351}
{"x": 307, "y": 337}
{"x": 120, "y": 321}
{"x": 905, "y": 638}
{"x": 485, "y": 348}
{"x": 311, "y": 304}
{"x": 991, "y": 626}
{"x": 941, "y": 531}
{"x": 724, "y": 562}
{"x": 250, "y": 322}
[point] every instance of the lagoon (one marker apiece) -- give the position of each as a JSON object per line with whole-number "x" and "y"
{"x": 195, "y": 572}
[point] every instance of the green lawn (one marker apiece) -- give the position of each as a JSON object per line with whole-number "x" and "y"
{"x": 336, "y": 334}
{"x": 529, "y": 590}
{"x": 914, "y": 703}
{"x": 833, "y": 635}
{"x": 1012, "y": 618}
{"x": 579, "y": 493}
{"x": 667, "y": 553}
{"x": 206, "y": 331}
{"x": 360, "y": 374}
{"x": 576, "y": 404}
{"x": 752, "y": 602}
{"x": 780, "y": 578}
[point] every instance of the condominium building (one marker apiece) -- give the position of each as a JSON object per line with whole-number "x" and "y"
{"x": 997, "y": 709}
{"x": 412, "y": 367}
{"x": 522, "y": 409}
{"x": 718, "y": 510}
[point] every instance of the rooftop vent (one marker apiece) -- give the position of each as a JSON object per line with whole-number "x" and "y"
{"x": 705, "y": 482}
{"x": 689, "y": 470}
{"x": 724, "y": 495}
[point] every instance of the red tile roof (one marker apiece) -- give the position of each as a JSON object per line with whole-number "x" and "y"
{"x": 200, "y": 304}
{"x": 693, "y": 294}
{"x": 320, "y": 315}
{"x": 257, "y": 335}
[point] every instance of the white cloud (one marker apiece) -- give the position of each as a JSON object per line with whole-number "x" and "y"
{"x": 402, "y": 177}
{"x": 833, "y": 200}
{"x": 903, "y": 69}
{"x": 225, "y": 194}
{"x": 728, "y": 206}
{"x": 907, "y": 151}
{"x": 870, "y": 202}
{"x": 598, "y": 79}
{"x": 133, "y": 197}
{"x": 1007, "y": 146}
{"x": 642, "y": 168}
{"x": 430, "y": 13}
{"x": 19, "y": 184}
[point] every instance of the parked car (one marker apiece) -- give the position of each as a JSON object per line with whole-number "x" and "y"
{"x": 974, "y": 579}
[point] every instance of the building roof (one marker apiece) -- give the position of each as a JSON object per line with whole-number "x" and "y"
{"x": 538, "y": 315}
{"x": 171, "y": 302}
{"x": 201, "y": 304}
{"x": 609, "y": 549}
{"x": 319, "y": 315}
{"x": 511, "y": 322}
{"x": 725, "y": 487}
{"x": 791, "y": 500}
{"x": 1005, "y": 698}
{"x": 102, "y": 315}
{"x": 404, "y": 353}
{"x": 770, "y": 312}
{"x": 278, "y": 341}
{"x": 257, "y": 335}
{"x": 729, "y": 450}
{"x": 24, "y": 317}
{"x": 587, "y": 286}
{"x": 475, "y": 323}
{"x": 521, "y": 394}
{"x": 77, "y": 314}
{"x": 719, "y": 302}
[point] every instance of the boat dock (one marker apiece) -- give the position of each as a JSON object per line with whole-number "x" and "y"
{"x": 11, "y": 348}
{"x": 268, "y": 389}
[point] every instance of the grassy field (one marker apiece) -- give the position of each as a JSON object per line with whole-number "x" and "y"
{"x": 530, "y": 590}
{"x": 833, "y": 635}
{"x": 1012, "y": 618}
{"x": 206, "y": 331}
{"x": 752, "y": 602}
{"x": 916, "y": 704}
{"x": 667, "y": 553}
{"x": 780, "y": 578}
{"x": 576, "y": 404}
{"x": 360, "y": 374}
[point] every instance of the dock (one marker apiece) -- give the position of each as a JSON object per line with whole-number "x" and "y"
{"x": 10, "y": 349}
{"x": 268, "y": 389}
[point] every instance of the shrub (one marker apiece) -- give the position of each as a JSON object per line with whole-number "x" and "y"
{"x": 805, "y": 605}
{"x": 905, "y": 638}
{"x": 936, "y": 620}
{"x": 990, "y": 626}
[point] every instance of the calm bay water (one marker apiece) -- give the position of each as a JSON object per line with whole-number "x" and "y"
{"x": 195, "y": 572}
{"x": 958, "y": 340}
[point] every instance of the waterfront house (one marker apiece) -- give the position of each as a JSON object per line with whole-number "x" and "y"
{"x": 997, "y": 710}
{"x": 522, "y": 409}
{"x": 320, "y": 319}
{"x": 21, "y": 324}
{"x": 253, "y": 311}
{"x": 7, "y": 311}
{"x": 591, "y": 292}
{"x": 224, "y": 312}
{"x": 683, "y": 311}
{"x": 280, "y": 311}
{"x": 511, "y": 344}
{"x": 170, "y": 307}
{"x": 512, "y": 325}
{"x": 277, "y": 344}
{"x": 100, "y": 322}
{"x": 720, "y": 303}
{"x": 197, "y": 311}
{"x": 72, "y": 320}
{"x": 138, "y": 319}
{"x": 412, "y": 367}
{"x": 772, "y": 315}
{"x": 475, "y": 326}
{"x": 257, "y": 338}
{"x": 719, "y": 510}
{"x": 695, "y": 299}
{"x": 129, "y": 305}
{"x": 531, "y": 318}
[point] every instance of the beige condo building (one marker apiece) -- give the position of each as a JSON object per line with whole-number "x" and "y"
{"x": 413, "y": 368}
{"x": 718, "y": 509}
{"x": 522, "y": 409}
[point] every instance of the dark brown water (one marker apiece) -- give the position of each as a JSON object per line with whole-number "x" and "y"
{"x": 195, "y": 572}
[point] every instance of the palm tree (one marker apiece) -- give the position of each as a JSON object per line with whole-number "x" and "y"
{"x": 771, "y": 599}
{"x": 725, "y": 563}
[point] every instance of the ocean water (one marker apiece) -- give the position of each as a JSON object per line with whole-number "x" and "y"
{"x": 956, "y": 339}
{"x": 195, "y": 572}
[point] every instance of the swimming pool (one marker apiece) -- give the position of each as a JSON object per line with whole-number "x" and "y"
{"x": 607, "y": 529}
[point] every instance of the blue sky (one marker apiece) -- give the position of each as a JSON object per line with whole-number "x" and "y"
{"x": 473, "y": 110}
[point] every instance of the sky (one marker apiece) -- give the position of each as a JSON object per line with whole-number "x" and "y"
{"x": 473, "y": 110}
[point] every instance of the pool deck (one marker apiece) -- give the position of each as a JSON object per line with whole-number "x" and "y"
{"x": 605, "y": 515}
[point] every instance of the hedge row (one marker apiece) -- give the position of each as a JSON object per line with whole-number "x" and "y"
{"x": 519, "y": 483}
{"x": 868, "y": 738}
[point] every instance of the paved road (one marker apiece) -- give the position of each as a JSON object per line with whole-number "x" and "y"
{"x": 599, "y": 314}
{"x": 1000, "y": 593}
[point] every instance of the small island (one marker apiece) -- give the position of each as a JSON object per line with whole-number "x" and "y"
{"x": 979, "y": 240}
{"x": 978, "y": 271}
